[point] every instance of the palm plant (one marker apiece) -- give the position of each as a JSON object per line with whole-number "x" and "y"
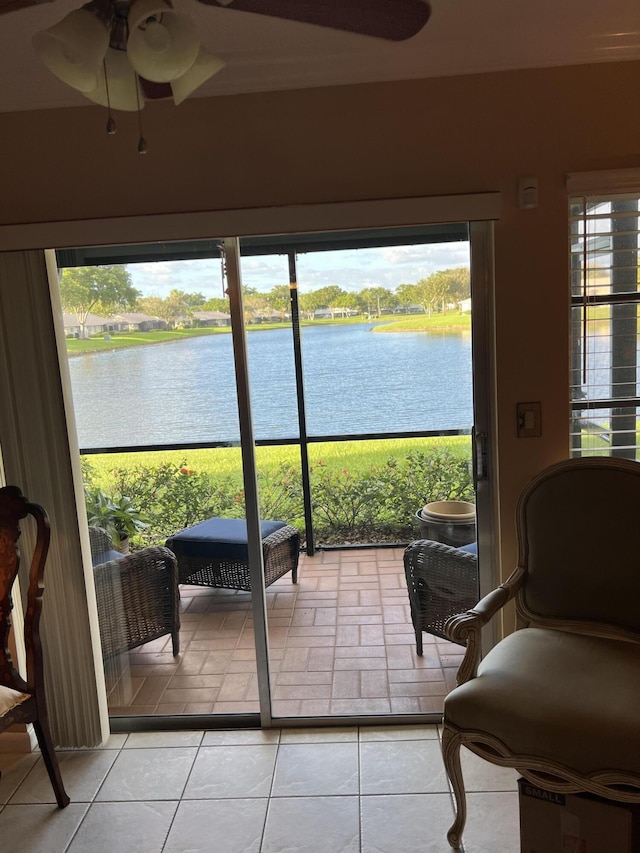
{"x": 117, "y": 515}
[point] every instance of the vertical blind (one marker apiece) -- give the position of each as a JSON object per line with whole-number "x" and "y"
{"x": 604, "y": 255}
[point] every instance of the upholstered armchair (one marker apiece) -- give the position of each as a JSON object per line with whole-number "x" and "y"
{"x": 558, "y": 698}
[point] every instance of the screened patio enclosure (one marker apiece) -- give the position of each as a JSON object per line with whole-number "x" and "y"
{"x": 346, "y": 628}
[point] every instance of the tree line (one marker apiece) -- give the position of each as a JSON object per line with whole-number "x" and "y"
{"x": 109, "y": 290}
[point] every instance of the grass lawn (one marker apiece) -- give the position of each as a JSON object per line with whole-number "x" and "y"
{"x": 452, "y": 321}
{"x": 354, "y": 456}
{"x": 120, "y": 340}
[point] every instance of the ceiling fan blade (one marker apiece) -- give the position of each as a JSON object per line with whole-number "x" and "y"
{"x": 394, "y": 20}
{"x": 17, "y": 5}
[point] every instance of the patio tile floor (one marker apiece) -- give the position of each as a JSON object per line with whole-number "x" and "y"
{"x": 341, "y": 642}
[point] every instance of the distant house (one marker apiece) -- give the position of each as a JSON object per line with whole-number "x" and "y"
{"x": 330, "y": 313}
{"x": 267, "y": 315}
{"x": 211, "y": 318}
{"x": 133, "y": 322}
{"x": 409, "y": 309}
{"x": 93, "y": 325}
{"x": 465, "y": 306}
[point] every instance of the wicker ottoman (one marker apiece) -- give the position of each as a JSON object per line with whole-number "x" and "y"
{"x": 215, "y": 553}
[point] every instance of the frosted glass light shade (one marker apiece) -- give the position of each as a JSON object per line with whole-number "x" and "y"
{"x": 205, "y": 66}
{"x": 162, "y": 45}
{"x": 124, "y": 89}
{"x": 74, "y": 48}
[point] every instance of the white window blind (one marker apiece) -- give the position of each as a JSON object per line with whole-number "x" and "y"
{"x": 604, "y": 256}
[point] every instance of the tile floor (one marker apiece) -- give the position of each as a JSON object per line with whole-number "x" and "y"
{"x": 341, "y": 642}
{"x": 333, "y": 790}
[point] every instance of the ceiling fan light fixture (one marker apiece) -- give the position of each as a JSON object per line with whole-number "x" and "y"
{"x": 162, "y": 45}
{"x": 118, "y": 87}
{"x": 205, "y": 66}
{"x": 73, "y": 49}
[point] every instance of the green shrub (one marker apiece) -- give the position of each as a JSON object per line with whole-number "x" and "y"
{"x": 371, "y": 504}
{"x": 280, "y": 494}
{"x": 379, "y": 504}
{"x": 344, "y": 504}
{"x": 437, "y": 475}
{"x": 174, "y": 497}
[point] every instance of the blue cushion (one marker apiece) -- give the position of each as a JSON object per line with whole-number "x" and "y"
{"x": 471, "y": 548}
{"x": 105, "y": 557}
{"x": 224, "y": 538}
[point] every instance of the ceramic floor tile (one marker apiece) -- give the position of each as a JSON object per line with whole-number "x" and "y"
{"x": 39, "y": 828}
{"x": 245, "y": 707}
{"x": 236, "y": 826}
{"x": 312, "y": 825}
{"x": 347, "y": 615}
{"x": 346, "y": 685}
{"x": 493, "y": 823}
{"x": 138, "y": 740}
{"x": 402, "y": 767}
{"x": 231, "y": 737}
{"x": 406, "y": 823}
{"x": 235, "y": 772}
{"x": 419, "y": 732}
{"x": 82, "y": 774}
{"x": 315, "y": 708}
{"x": 148, "y": 774}
{"x": 116, "y": 741}
{"x": 360, "y": 706}
{"x": 316, "y": 769}
{"x": 124, "y": 827}
{"x": 360, "y": 663}
{"x": 405, "y": 705}
{"x": 287, "y": 679}
{"x": 331, "y": 734}
{"x": 13, "y": 769}
{"x": 298, "y": 691}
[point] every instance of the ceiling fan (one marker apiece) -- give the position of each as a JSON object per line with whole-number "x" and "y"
{"x": 121, "y": 53}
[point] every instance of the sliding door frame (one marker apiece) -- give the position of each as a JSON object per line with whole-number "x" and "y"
{"x": 478, "y": 209}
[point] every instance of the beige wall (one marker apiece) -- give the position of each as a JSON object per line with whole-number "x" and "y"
{"x": 417, "y": 138}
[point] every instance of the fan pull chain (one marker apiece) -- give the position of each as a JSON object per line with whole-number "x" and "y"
{"x": 142, "y": 142}
{"x": 111, "y": 122}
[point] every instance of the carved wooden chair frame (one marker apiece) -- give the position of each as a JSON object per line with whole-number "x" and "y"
{"x": 465, "y": 629}
{"x": 33, "y": 709}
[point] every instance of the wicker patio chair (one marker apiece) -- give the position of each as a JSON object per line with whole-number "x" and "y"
{"x": 137, "y": 595}
{"x": 441, "y": 581}
{"x": 22, "y": 699}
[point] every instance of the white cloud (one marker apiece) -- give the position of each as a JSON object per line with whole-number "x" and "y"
{"x": 351, "y": 269}
{"x": 159, "y": 278}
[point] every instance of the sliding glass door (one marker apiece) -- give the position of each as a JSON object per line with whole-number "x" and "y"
{"x": 320, "y": 384}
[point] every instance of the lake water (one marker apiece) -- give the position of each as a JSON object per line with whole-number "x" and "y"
{"x": 355, "y": 381}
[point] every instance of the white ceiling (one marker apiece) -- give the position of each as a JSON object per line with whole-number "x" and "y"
{"x": 265, "y": 54}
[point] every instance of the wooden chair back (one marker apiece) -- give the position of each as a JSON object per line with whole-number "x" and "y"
{"x": 22, "y": 699}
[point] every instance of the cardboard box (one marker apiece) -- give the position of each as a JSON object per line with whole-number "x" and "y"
{"x": 575, "y": 823}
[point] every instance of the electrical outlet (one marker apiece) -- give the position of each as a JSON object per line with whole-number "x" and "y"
{"x": 529, "y": 420}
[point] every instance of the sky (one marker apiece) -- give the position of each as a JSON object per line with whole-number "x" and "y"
{"x": 350, "y": 269}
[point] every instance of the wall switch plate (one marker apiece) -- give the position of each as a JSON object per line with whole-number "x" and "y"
{"x": 529, "y": 419}
{"x": 527, "y": 193}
